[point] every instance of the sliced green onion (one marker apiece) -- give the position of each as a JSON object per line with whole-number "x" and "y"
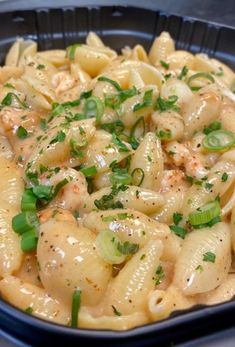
{"x": 114, "y": 83}
{"x": 29, "y": 241}
{"x": 140, "y": 121}
{"x": 107, "y": 247}
{"x": 76, "y": 302}
{"x": 43, "y": 192}
{"x": 219, "y": 140}
{"x": 7, "y": 101}
{"x": 233, "y": 86}
{"x": 94, "y": 107}
{"x": 137, "y": 176}
{"x": 205, "y": 213}
{"x": 89, "y": 171}
{"x": 28, "y": 201}
{"x": 204, "y": 75}
{"x": 120, "y": 177}
{"x": 147, "y": 101}
{"x": 183, "y": 72}
{"x": 134, "y": 139}
{"x": 71, "y": 50}
{"x": 24, "y": 222}
{"x": 128, "y": 248}
{"x": 166, "y": 104}
{"x": 117, "y": 127}
{"x": 121, "y": 145}
{"x": 212, "y": 127}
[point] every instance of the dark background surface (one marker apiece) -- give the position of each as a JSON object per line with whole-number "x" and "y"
{"x": 218, "y": 11}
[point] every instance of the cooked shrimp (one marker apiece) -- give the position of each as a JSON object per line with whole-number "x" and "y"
{"x": 74, "y": 194}
{"x": 59, "y": 214}
{"x": 182, "y": 156}
{"x": 173, "y": 179}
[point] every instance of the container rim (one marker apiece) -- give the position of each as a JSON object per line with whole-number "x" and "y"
{"x": 22, "y": 5}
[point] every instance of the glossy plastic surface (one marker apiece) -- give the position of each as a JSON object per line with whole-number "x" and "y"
{"x": 118, "y": 26}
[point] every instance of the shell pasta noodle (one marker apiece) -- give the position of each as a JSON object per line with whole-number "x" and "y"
{"x": 117, "y": 203}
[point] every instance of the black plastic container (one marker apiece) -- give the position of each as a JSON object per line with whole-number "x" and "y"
{"x": 117, "y": 26}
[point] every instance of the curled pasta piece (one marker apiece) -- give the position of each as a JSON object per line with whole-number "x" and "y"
{"x": 128, "y": 290}
{"x": 50, "y": 152}
{"x": 93, "y": 59}
{"x": 227, "y": 117}
{"x": 225, "y": 292}
{"x": 163, "y": 302}
{"x": 68, "y": 260}
{"x": 162, "y": 46}
{"x": 11, "y": 254}
{"x": 137, "y": 198}
{"x": 7, "y": 72}
{"x": 94, "y": 40}
{"x": 28, "y": 271}
{"x": 102, "y": 151}
{"x": 139, "y": 53}
{"x": 29, "y": 295}
{"x": 178, "y": 88}
{"x": 11, "y": 184}
{"x": 149, "y": 158}
{"x": 201, "y": 110}
{"x": 129, "y": 115}
{"x": 173, "y": 203}
{"x": 123, "y": 322}
{"x": 179, "y": 59}
{"x": 74, "y": 194}
{"x": 5, "y": 148}
{"x": 128, "y": 224}
{"x": 57, "y": 57}
{"x": 19, "y": 51}
{"x": 170, "y": 122}
{"x": 193, "y": 273}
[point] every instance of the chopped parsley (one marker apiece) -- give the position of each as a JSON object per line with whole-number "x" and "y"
{"x": 183, "y": 73}
{"x": 199, "y": 268}
{"x": 7, "y": 101}
{"x": 29, "y": 310}
{"x": 224, "y": 177}
{"x": 208, "y": 186}
{"x": 177, "y": 217}
{"x": 43, "y": 124}
{"x": 209, "y": 257}
{"x": 162, "y": 105}
{"x": 60, "y": 137}
{"x": 21, "y": 132}
{"x": 179, "y": 231}
{"x": 40, "y": 67}
{"x": 121, "y": 145}
{"x": 107, "y": 201}
{"x": 164, "y": 135}
{"x": 164, "y": 64}
{"x": 216, "y": 125}
{"x": 115, "y": 311}
{"x": 147, "y": 101}
{"x": 8, "y": 85}
{"x": 75, "y": 149}
{"x": 159, "y": 275}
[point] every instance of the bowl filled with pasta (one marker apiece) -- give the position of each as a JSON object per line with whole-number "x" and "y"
{"x": 117, "y": 204}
